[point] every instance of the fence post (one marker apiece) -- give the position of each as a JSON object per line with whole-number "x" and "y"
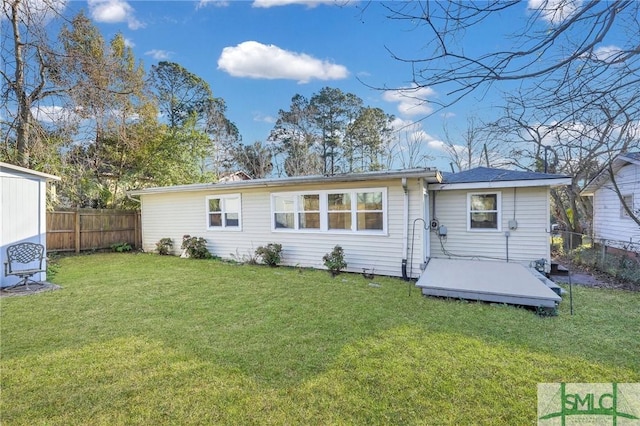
{"x": 77, "y": 230}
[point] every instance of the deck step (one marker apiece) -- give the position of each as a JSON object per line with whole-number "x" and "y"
{"x": 558, "y": 269}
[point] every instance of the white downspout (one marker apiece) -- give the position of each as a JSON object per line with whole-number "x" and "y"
{"x": 426, "y": 233}
{"x": 405, "y": 229}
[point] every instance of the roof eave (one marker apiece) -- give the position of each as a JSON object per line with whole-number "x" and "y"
{"x": 603, "y": 175}
{"x": 429, "y": 174}
{"x": 523, "y": 183}
{"x": 24, "y": 170}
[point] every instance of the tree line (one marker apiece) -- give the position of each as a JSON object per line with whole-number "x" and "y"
{"x": 86, "y": 109}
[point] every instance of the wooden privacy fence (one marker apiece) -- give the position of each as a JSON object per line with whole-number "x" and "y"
{"x": 90, "y": 229}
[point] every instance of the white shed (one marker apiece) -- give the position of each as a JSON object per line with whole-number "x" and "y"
{"x": 22, "y": 211}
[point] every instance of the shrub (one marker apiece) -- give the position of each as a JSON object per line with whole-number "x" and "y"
{"x": 334, "y": 261}
{"x": 195, "y": 247}
{"x": 270, "y": 254}
{"x": 164, "y": 246}
{"x": 121, "y": 247}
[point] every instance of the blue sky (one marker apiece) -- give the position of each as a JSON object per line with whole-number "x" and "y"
{"x": 257, "y": 55}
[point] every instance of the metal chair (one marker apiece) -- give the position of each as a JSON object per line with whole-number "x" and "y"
{"x": 24, "y": 260}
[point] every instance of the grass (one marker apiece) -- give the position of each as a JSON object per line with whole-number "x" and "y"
{"x": 147, "y": 339}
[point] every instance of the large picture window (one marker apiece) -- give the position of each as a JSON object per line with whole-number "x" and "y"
{"x": 338, "y": 211}
{"x": 483, "y": 211}
{"x": 224, "y": 212}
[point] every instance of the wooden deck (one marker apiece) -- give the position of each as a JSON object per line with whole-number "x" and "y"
{"x": 489, "y": 281}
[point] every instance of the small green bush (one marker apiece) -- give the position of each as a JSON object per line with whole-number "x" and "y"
{"x": 334, "y": 261}
{"x": 195, "y": 247}
{"x": 164, "y": 246}
{"x": 270, "y": 254}
{"x": 121, "y": 247}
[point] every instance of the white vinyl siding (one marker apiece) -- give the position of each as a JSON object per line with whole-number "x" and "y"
{"x": 529, "y": 241}
{"x": 224, "y": 212}
{"x": 607, "y": 221}
{"x": 175, "y": 214}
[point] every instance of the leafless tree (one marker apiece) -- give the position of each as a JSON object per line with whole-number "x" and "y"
{"x": 26, "y": 53}
{"x": 571, "y": 96}
{"x": 474, "y": 147}
{"x": 558, "y": 36}
{"x": 407, "y": 150}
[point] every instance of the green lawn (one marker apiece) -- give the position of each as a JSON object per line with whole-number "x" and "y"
{"x": 147, "y": 339}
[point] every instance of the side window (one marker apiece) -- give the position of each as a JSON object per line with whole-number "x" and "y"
{"x": 224, "y": 212}
{"x": 628, "y": 200}
{"x": 483, "y": 211}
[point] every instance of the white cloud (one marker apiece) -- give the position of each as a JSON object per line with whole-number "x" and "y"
{"x": 113, "y": 12}
{"x": 606, "y": 53}
{"x": 411, "y": 100}
{"x": 414, "y": 132}
{"x": 159, "y": 55}
{"x": 447, "y": 115}
{"x": 129, "y": 43}
{"x": 53, "y": 114}
{"x": 262, "y": 118}
{"x": 256, "y": 60}
{"x": 276, "y": 3}
{"x": 215, "y": 3}
{"x": 554, "y": 11}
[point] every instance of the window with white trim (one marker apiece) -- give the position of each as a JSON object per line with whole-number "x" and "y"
{"x": 224, "y": 212}
{"x": 628, "y": 200}
{"x": 483, "y": 211}
{"x": 360, "y": 210}
{"x": 370, "y": 214}
{"x": 309, "y": 211}
{"x": 339, "y": 211}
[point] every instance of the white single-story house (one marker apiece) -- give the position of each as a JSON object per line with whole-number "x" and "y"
{"x": 389, "y": 223}
{"x": 612, "y": 224}
{"x": 23, "y": 217}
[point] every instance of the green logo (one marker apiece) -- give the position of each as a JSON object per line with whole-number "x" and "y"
{"x": 589, "y": 403}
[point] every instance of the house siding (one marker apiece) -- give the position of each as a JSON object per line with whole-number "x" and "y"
{"x": 530, "y": 241}
{"x": 607, "y": 221}
{"x": 175, "y": 214}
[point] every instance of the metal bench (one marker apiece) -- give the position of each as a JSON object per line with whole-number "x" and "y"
{"x": 24, "y": 260}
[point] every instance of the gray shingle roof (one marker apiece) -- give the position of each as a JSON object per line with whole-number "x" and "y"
{"x": 486, "y": 174}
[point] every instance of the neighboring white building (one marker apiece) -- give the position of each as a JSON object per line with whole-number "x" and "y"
{"x": 611, "y": 222}
{"x": 22, "y": 211}
{"x": 383, "y": 220}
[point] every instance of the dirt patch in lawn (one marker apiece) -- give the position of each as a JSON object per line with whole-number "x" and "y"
{"x": 588, "y": 277}
{"x": 33, "y": 288}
